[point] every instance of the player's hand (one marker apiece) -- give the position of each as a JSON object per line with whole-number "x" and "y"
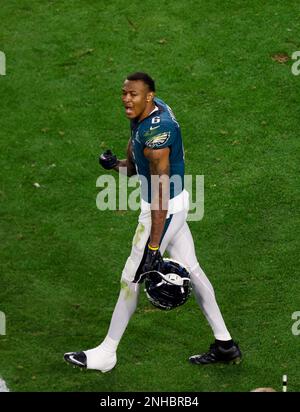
{"x": 153, "y": 260}
{"x": 108, "y": 160}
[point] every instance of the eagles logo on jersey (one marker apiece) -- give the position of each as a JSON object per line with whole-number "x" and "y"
{"x": 158, "y": 140}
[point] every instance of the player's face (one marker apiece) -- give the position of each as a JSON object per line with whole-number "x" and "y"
{"x": 137, "y": 99}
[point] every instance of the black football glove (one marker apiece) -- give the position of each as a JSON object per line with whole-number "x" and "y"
{"x": 153, "y": 261}
{"x": 108, "y": 160}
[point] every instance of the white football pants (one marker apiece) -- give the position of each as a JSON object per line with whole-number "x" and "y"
{"x": 177, "y": 240}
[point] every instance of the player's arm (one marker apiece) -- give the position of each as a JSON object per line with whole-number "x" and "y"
{"x": 160, "y": 171}
{"x": 127, "y": 163}
{"x": 126, "y": 166}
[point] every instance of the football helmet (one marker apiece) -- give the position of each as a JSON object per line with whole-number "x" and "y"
{"x": 170, "y": 287}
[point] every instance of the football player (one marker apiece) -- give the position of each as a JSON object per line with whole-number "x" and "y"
{"x": 155, "y": 153}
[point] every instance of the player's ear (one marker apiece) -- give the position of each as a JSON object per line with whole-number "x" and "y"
{"x": 150, "y": 97}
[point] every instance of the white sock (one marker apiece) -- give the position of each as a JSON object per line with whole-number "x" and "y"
{"x": 124, "y": 309}
{"x": 205, "y": 297}
{"x": 103, "y": 356}
{"x": 109, "y": 344}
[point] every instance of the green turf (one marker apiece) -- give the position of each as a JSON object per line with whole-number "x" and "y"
{"x": 61, "y": 258}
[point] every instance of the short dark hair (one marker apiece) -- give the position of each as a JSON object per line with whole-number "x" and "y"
{"x": 144, "y": 77}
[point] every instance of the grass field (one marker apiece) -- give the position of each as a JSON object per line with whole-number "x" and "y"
{"x": 61, "y": 258}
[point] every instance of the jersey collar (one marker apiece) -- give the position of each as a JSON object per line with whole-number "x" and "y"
{"x": 134, "y": 123}
{"x": 153, "y": 111}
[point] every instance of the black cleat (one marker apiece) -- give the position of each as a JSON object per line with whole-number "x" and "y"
{"x": 216, "y": 354}
{"x": 76, "y": 359}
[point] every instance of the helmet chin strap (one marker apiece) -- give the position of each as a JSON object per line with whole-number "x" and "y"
{"x": 144, "y": 275}
{"x": 168, "y": 287}
{"x": 167, "y": 277}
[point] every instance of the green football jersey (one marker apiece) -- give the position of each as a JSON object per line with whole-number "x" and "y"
{"x": 160, "y": 129}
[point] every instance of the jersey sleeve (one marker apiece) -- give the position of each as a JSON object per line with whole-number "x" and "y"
{"x": 160, "y": 136}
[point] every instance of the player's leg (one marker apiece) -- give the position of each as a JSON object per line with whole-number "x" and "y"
{"x": 182, "y": 248}
{"x": 103, "y": 357}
